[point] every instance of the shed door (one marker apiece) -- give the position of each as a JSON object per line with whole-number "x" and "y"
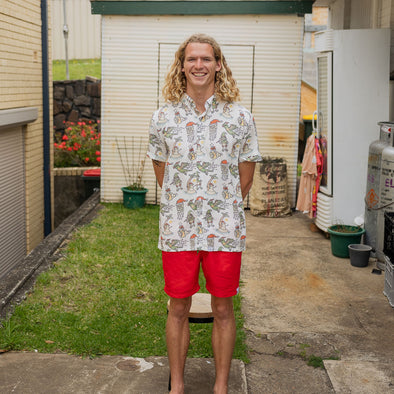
{"x": 12, "y": 199}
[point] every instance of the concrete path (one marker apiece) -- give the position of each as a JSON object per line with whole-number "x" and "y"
{"x": 300, "y": 303}
{"x": 60, "y": 373}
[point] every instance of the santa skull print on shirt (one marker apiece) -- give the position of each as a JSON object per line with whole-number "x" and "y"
{"x": 201, "y": 201}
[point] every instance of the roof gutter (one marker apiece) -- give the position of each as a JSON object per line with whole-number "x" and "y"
{"x": 211, "y": 7}
{"x": 46, "y": 119}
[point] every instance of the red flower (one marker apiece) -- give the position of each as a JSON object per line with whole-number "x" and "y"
{"x": 86, "y": 159}
{"x": 69, "y": 149}
{"x": 98, "y": 153}
{"x": 98, "y": 159}
{"x": 64, "y": 138}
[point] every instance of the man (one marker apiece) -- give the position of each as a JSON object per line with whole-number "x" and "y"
{"x": 204, "y": 147}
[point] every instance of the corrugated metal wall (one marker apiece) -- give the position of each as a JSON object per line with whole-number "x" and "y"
{"x": 12, "y": 199}
{"x": 360, "y": 14}
{"x": 264, "y": 52}
{"x": 84, "y": 37}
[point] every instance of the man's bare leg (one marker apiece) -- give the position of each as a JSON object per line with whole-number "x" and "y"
{"x": 178, "y": 338}
{"x": 223, "y": 340}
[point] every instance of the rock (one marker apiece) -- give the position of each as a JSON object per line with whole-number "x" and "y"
{"x": 73, "y": 116}
{"x": 59, "y": 121}
{"x": 58, "y": 93}
{"x": 67, "y": 105}
{"x": 96, "y": 107}
{"x": 69, "y": 91}
{"x": 82, "y": 100}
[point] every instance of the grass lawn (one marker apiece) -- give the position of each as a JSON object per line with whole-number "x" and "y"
{"x": 78, "y": 69}
{"x": 105, "y": 295}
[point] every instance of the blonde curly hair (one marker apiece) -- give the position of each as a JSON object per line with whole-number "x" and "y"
{"x": 175, "y": 83}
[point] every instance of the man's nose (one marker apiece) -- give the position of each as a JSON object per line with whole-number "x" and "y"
{"x": 199, "y": 63}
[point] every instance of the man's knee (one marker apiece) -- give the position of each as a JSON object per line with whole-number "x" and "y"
{"x": 222, "y": 308}
{"x": 180, "y": 307}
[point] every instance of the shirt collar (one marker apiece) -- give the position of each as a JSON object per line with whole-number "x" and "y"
{"x": 187, "y": 100}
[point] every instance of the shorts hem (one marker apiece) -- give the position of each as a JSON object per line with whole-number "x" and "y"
{"x": 184, "y": 295}
{"x": 223, "y": 294}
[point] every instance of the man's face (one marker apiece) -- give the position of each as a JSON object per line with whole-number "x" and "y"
{"x": 200, "y": 66}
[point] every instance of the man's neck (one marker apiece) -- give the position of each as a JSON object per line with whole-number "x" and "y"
{"x": 200, "y": 97}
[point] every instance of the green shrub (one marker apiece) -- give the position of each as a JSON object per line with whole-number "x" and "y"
{"x": 78, "y": 146}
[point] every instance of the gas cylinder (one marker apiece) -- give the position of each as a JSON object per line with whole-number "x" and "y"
{"x": 386, "y": 196}
{"x": 373, "y": 216}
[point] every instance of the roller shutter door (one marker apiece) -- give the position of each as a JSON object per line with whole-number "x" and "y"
{"x": 12, "y": 199}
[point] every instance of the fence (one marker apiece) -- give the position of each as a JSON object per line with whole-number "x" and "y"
{"x": 84, "y": 37}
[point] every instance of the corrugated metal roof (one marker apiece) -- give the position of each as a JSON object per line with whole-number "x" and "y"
{"x": 266, "y": 47}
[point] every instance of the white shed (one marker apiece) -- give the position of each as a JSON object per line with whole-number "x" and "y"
{"x": 262, "y": 42}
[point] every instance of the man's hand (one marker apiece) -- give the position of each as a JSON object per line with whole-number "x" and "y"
{"x": 159, "y": 167}
{"x": 246, "y": 172}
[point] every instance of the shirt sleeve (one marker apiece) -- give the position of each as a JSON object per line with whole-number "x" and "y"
{"x": 250, "y": 147}
{"x": 157, "y": 148}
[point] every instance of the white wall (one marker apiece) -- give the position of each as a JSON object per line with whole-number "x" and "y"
{"x": 362, "y": 14}
{"x": 136, "y": 53}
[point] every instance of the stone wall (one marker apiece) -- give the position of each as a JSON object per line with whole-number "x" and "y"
{"x": 75, "y": 100}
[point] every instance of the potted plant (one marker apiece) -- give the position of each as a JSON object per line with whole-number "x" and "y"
{"x": 134, "y": 192}
{"x": 341, "y": 236}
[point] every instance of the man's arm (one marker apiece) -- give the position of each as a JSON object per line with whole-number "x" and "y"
{"x": 159, "y": 167}
{"x": 246, "y": 172}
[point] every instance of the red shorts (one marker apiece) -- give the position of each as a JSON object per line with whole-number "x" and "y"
{"x": 221, "y": 271}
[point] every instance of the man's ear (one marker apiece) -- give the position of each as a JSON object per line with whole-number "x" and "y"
{"x": 218, "y": 66}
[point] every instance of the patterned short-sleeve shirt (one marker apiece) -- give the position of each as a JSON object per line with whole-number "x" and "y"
{"x": 201, "y": 203}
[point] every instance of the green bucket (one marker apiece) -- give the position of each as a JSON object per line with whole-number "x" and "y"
{"x": 342, "y": 236}
{"x": 133, "y": 199}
